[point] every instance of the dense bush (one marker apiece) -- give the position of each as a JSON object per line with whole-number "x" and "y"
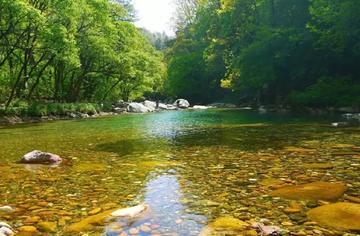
{"x": 44, "y": 109}
{"x": 336, "y": 92}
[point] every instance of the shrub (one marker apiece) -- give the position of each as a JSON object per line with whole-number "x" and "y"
{"x": 329, "y": 91}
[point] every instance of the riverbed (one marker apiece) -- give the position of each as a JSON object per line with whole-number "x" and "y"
{"x": 189, "y": 167}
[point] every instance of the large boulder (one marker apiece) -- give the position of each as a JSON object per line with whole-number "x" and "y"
{"x": 163, "y": 106}
{"x": 182, "y": 103}
{"x": 150, "y": 105}
{"x": 342, "y": 216}
{"x": 137, "y": 108}
{"x": 312, "y": 191}
{"x": 39, "y": 157}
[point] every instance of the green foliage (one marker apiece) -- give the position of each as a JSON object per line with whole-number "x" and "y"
{"x": 74, "y": 51}
{"x": 337, "y": 92}
{"x": 269, "y": 51}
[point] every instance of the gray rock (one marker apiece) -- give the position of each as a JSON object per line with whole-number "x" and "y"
{"x": 171, "y": 107}
{"x": 150, "y": 105}
{"x": 39, "y": 157}
{"x": 163, "y": 106}
{"x": 137, "y": 108}
{"x": 182, "y": 103}
{"x": 119, "y": 110}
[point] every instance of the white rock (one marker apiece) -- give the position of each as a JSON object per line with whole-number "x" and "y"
{"x": 163, "y": 106}
{"x": 171, "y": 107}
{"x": 150, "y": 104}
{"x": 200, "y": 107}
{"x": 4, "y": 231}
{"x": 137, "y": 108}
{"x": 182, "y": 103}
{"x": 6, "y": 209}
{"x": 131, "y": 212}
{"x": 39, "y": 157}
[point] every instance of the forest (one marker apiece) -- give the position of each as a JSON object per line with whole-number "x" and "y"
{"x": 74, "y": 51}
{"x": 297, "y": 53}
{"x": 252, "y": 52}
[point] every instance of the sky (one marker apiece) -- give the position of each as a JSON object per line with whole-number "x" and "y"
{"x": 154, "y": 15}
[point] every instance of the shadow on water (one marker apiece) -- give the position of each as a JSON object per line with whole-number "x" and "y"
{"x": 247, "y": 138}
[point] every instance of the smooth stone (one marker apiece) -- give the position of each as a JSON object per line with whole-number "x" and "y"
{"x": 6, "y": 209}
{"x": 88, "y": 223}
{"x": 226, "y": 223}
{"x": 341, "y": 216}
{"x": 131, "y": 212}
{"x": 137, "y": 108}
{"x": 95, "y": 211}
{"x": 182, "y": 103}
{"x": 312, "y": 191}
{"x": 133, "y": 231}
{"x": 145, "y": 228}
{"x": 27, "y": 229}
{"x": 47, "y": 226}
{"x": 32, "y": 219}
{"x": 39, "y": 157}
{"x": 5, "y": 231}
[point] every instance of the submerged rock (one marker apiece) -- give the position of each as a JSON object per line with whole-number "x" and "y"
{"x": 341, "y": 216}
{"x": 312, "y": 191}
{"x": 47, "y": 226}
{"x": 266, "y": 229}
{"x": 99, "y": 219}
{"x": 39, "y": 157}
{"x": 131, "y": 211}
{"x": 89, "y": 222}
{"x": 224, "y": 224}
{"x": 182, "y": 103}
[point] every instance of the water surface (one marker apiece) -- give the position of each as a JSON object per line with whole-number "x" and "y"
{"x": 190, "y": 167}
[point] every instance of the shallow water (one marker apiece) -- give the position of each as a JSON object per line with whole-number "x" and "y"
{"x": 190, "y": 167}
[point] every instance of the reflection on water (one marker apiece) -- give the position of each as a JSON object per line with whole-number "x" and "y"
{"x": 190, "y": 167}
{"x": 167, "y": 214}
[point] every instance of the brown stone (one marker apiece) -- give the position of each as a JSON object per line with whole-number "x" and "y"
{"x": 312, "y": 191}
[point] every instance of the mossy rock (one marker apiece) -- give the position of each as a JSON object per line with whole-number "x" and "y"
{"x": 224, "y": 224}
{"x": 341, "y": 216}
{"x": 89, "y": 222}
{"x": 312, "y": 191}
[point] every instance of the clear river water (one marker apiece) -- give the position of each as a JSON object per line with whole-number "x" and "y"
{"x": 189, "y": 167}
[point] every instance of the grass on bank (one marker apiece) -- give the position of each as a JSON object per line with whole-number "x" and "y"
{"x": 36, "y": 109}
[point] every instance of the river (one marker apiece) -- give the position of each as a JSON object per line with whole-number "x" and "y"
{"x": 190, "y": 167}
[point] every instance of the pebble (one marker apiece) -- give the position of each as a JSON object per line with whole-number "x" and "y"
{"x": 95, "y": 211}
{"x": 145, "y": 228}
{"x": 47, "y": 226}
{"x": 133, "y": 231}
{"x": 28, "y": 229}
{"x": 6, "y": 209}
